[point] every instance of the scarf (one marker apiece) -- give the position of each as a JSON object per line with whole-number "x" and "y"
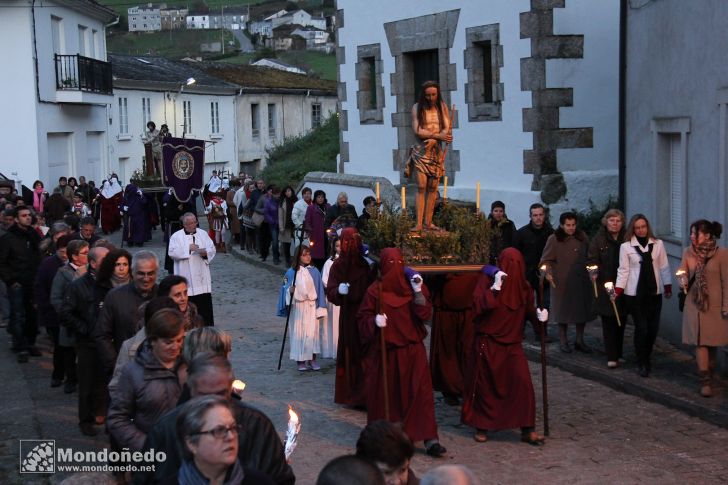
{"x": 116, "y": 281}
{"x": 703, "y": 252}
{"x": 189, "y": 474}
{"x": 38, "y": 199}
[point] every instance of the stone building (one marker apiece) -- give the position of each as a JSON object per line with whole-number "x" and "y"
{"x": 145, "y": 18}
{"x": 173, "y": 18}
{"x": 273, "y": 105}
{"x": 535, "y": 83}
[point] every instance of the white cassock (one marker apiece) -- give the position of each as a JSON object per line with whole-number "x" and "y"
{"x": 330, "y": 325}
{"x": 305, "y": 332}
{"x": 191, "y": 265}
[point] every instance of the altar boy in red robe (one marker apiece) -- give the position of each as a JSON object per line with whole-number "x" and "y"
{"x": 399, "y": 308}
{"x": 498, "y": 388}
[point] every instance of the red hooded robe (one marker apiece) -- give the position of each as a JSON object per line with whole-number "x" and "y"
{"x": 498, "y": 388}
{"x": 411, "y": 400}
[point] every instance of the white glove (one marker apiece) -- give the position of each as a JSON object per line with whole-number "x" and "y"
{"x": 499, "y": 277}
{"x": 343, "y": 288}
{"x": 542, "y": 314}
{"x": 139, "y": 191}
{"x": 416, "y": 282}
{"x": 126, "y": 208}
{"x": 381, "y": 320}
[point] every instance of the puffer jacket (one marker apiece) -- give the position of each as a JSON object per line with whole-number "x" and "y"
{"x": 145, "y": 392}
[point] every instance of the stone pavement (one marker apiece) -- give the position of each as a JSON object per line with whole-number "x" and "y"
{"x": 598, "y": 435}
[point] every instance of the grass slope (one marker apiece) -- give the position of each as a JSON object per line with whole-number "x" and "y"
{"x": 169, "y": 44}
{"x": 295, "y": 157}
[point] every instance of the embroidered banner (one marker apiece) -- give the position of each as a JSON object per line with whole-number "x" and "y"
{"x": 184, "y": 166}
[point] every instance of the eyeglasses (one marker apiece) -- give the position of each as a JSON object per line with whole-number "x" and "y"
{"x": 220, "y": 432}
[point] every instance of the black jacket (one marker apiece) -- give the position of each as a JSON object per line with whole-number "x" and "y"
{"x": 259, "y": 446}
{"x": 336, "y": 211}
{"x": 604, "y": 252}
{"x": 19, "y": 256}
{"x": 503, "y": 235}
{"x": 530, "y": 242}
{"x": 78, "y": 311}
{"x": 117, "y": 321}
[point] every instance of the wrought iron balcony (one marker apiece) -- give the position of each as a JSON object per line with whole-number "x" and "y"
{"x": 79, "y": 73}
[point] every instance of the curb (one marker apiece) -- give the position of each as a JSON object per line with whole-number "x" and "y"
{"x": 643, "y": 389}
{"x": 255, "y": 261}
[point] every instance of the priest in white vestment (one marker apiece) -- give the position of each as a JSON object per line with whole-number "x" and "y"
{"x": 192, "y": 251}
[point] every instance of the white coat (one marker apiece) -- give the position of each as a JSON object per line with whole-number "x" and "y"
{"x": 628, "y": 273}
{"x": 192, "y": 266}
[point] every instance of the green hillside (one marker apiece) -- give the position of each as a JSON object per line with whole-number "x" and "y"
{"x": 172, "y": 44}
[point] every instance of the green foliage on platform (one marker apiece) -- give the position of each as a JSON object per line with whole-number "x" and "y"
{"x": 590, "y": 220}
{"x": 464, "y": 240}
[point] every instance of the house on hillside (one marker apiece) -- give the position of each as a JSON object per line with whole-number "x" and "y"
{"x": 535, "y": 84}
{"x": 676, "y": 127}
{"x": 199, "y": 21}
{"x": 57, "y": 90}
{"x": 284, "y": 40}
{"x": 298, "y": 17}
{"x": 155, "y": 89}
{"x": 173, "y": 18}
{"x": 273, "y": 105}
{"x": 231, "y": 18}
{"x": 316, "y": 39}
{"x": 145, "y": 18}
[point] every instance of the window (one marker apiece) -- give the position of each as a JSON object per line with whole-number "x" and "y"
{"x": 315, "y": 115}
{"x": 146, "y": 112}
{"x": 370, "y": 93}
{"x": 255, "y": 119}
{"x": 123, "y": 117}
{"x": 483, "y": 60}
{"x": 187, "y": 116}
{"x": 670, "y": 168}
{"x": 215, "y": 117}
{"x": 83, "y": 47}
{"x": 272, "y": 121}
{"x": 57, "y": 33}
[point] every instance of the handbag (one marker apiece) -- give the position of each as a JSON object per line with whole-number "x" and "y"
{"x": 257, "y": 219}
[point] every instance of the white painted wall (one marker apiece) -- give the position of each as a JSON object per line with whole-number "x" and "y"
{"x": 492, "y": 151}
{"x": 293, "y": 116}
{"x": 594, "y": 80}
{"x": 167, "y": 108}
{"x": 28, "y": 122}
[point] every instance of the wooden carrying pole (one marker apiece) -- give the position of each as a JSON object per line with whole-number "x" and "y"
{"x": 544, "y": 386}
{"x": 297, "y": 255}
{"x": 383, "y": 343}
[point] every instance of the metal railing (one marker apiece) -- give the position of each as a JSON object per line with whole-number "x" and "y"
{"x": 79, "y": 73}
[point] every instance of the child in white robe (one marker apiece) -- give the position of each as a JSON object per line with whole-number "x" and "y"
{"x": 308, "y": 299}
{"x": 330, "y": 325}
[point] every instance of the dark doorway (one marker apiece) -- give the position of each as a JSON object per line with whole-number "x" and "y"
{"x": 425, "y": 67}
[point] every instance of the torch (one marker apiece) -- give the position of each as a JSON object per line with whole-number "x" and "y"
{"x": 609, "y": 287}
{"x": 593, "y": 270}
{"x": 238, "y": 387}
{"x": 546, "y": 271}
{"x": 682, "y": 277}
{"x": 294, "y": 426}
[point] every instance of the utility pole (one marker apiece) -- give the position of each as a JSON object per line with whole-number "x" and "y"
{"x": 222, "y": 28}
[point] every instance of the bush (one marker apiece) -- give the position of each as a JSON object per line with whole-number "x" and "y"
{"x": 315, "y": 151}
{"x": 591, "y": 220}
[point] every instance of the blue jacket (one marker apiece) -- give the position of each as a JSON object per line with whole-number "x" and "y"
{"x": 288, "y": 281}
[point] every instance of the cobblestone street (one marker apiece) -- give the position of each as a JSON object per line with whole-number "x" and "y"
{"x": 598, "y": 435}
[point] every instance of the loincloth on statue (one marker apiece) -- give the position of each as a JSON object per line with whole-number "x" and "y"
{"x": 427, "y": 159}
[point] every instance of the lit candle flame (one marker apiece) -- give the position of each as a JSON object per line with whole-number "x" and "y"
{"x": 609, "y": 286}
{"x": 238, "y": 386}
{"x": 294, "y": 426}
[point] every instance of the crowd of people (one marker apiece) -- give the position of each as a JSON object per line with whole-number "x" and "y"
{"x": 146, "y": 361}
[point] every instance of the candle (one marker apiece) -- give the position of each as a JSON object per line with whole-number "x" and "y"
{"x": 238, "y": 387}
{"x": 404, "y": 197}
{"x": 377, "y": 191}
{"x": 294, "y": 426}
{"x": 545, "y": 272}
{"x": 682, "y": 278}
{"x": 477, "y": 197}
{"x": 593, "y": 270}
{"x": 444, "y": 191}
{"x": 609, "y": 287}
